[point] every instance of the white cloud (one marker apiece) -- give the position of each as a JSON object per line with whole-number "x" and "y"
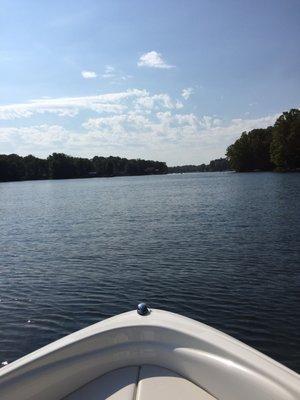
{"x": 115, "y": 76}
{"x": 167, "y": 128}
{"x": 157, "y": 101}
{"x": 109, "y": 72}
{"x": 125, "y": 77}
{"x": 88, "y": 74}
{"x": 118, "y": 123}
{"x": 71, "y": 106}
{"x": 38, "y": 137}
{"x": 153, "y": 59}
{"x": 131, "y": 123}
{"x": 109, "y": 103}
{"x": 187, "y": 92}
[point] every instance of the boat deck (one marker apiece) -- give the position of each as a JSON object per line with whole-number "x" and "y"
{"x": 147, "y": 382}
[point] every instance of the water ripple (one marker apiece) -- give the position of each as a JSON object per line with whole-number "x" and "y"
{"x": 221, "y": 248}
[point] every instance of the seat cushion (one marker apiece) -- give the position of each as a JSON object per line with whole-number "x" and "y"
{"x": 147, "y": 382}
{"x": 116, "y": 385}
{"x": 156, "y": 383}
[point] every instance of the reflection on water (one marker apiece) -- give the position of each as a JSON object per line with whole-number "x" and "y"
{"x": 222, "y": 248}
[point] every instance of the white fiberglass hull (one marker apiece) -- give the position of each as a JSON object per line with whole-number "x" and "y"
{"x": 221, "y": 366}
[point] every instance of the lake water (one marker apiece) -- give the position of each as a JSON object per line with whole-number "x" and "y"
{"x": 222, "y": 248}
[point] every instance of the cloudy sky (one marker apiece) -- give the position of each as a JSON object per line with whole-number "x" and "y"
{"x": 172, "y": 80}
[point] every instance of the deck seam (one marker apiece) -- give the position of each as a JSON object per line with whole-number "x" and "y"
{"x": 136, "y": 384}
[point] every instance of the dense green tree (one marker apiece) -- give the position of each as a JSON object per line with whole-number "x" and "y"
{"x": 62, "y": 166}
{"x": 240, "y": 154}
{"x": 260, "y": 140}
{"x": 4, "y": 167}
{"x": 35, "y": 168}
{"x": 251, "y": 151}
{"x": 264, "y": 149}
{"x": 109, "y": 169}
{"x": 99, "y": 165}
{"x": 11, "y": 167}
{"x": 285, "y": 146}
{"x": 220, "y": 164}
{"x": 83, "y": 167}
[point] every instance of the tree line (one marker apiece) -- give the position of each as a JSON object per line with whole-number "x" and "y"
{"x": 61, "y": 166}
{"x": 220, "y": 164}
{"x": 274, "y": 148}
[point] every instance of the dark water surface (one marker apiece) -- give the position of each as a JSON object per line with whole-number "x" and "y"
{"x": 222, "y": 248}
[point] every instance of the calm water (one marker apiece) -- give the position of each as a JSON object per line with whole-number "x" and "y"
{"x": 222, "y": 248}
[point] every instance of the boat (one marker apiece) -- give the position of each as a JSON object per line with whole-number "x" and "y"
{"x": 148, "y": 354}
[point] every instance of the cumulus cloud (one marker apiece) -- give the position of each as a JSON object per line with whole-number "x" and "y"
{"x": 187, "y": 92}
{"x": 169, "y": 127}
{"x": 186, "y": 129}
{"x": 88, "y": 74}
{"x": 153, "y": 59}
{"x": 118, "y": 123}
{"x": 157, "y": 101}
{"x": 29, "y": 139}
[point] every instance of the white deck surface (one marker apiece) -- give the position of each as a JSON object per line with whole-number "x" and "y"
{"x": 195, "y": 362}
{"x": 140, "y": 383}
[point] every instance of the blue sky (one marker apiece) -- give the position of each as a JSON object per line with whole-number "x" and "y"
{"x": 170, "y": 80}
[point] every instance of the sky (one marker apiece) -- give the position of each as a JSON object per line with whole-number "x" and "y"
{"x": 170, "y": 80}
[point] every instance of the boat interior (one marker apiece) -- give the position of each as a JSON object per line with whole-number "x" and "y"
{"x": 146, "y": 382}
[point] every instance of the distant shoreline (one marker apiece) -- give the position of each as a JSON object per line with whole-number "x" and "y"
{"x": 61, "y": 166}
{"x": 168, "y": 173}
{"x": 14, "y": 168}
